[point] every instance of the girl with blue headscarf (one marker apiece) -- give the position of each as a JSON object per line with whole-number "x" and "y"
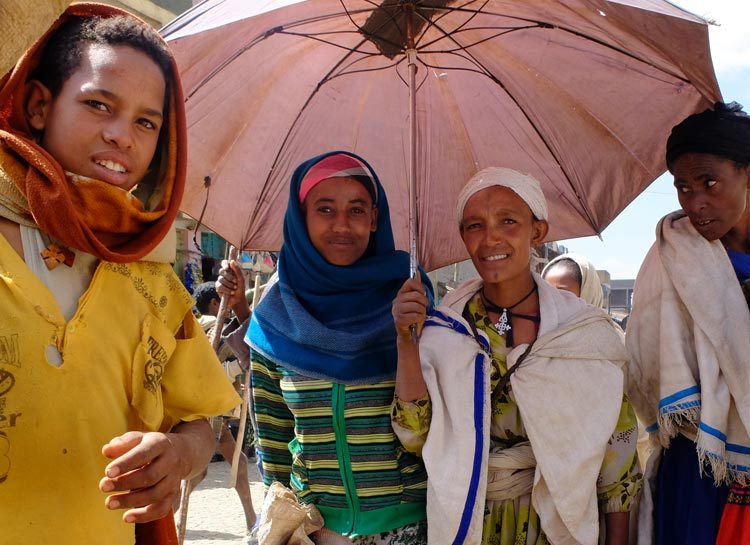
{"x": 324, "y": 359}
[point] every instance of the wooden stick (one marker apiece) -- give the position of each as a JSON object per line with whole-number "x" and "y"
{"x": 215, "y": 342}
{"x": 245, "y": 403}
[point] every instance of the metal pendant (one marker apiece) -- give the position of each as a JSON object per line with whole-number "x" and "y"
{"x": 503, "y": 324}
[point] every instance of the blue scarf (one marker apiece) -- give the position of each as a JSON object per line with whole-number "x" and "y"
{"x": 327, "y": 321}
{"x": 741, "y": 263}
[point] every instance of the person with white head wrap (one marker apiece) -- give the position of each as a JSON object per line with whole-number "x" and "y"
{"x": 586, "y": 279}
{"x": 513, "y": 394}
{"x": 523, "y": 185}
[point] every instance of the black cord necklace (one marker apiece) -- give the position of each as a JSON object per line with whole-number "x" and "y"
{"x": 503, "y": 325}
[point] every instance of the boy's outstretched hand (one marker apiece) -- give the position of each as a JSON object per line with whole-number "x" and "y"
{"x": 147, "y": 467}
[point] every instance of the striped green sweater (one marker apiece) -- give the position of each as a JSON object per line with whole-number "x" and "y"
{"x": 334, "y": 445}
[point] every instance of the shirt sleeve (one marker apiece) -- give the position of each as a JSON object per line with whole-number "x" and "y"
{"x": 411, "y": 422}
{"x": 274, "y": 420}
{"x": 194, "y": 384}
{"x": 620, "y": 477}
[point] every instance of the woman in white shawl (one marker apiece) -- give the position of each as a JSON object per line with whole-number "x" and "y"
{"x": 576, "y": 274}
{"x": 514, "y": 393}
{"x": 689, "y": 336}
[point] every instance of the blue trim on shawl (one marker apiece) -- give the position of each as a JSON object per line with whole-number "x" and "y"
{"x": 713, "y": 431}
{"x": 327, "y": 321}
{"x": 740, "y": 263}
{"x": 652, "y": 428}
{"x": 731, "y": 466}
{"x": 679, "y": 395}
{"x": 731, "y": 447}
{"x": 471, "y": 497}
{"x": 436, "y": 318}
{"x": 739, "y": 449}
{"x": 434, "y": 315}
{"x": 676, "y": 407}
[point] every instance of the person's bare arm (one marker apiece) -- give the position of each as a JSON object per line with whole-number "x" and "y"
{"x": 616, "y": 528}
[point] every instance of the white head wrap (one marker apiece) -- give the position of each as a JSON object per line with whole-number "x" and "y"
{"x": 523, "y": 185}
{"x": 591, "y": 286}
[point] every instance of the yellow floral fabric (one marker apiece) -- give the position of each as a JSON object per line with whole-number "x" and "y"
{"x": 515, "y": 522}
{"x": 414, "y": 416}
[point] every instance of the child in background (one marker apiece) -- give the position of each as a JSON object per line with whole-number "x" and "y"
{"x": 576, "y": 274}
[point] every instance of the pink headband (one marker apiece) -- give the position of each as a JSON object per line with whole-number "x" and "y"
{"x": 336, "y": 166}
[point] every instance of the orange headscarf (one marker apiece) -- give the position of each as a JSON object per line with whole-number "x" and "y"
{"x": 88, "y": 215}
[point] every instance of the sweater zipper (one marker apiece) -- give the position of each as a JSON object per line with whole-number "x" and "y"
{"x": 342, "y": 452}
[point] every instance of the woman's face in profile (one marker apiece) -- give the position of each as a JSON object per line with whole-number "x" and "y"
{"x": 712, "y": 191}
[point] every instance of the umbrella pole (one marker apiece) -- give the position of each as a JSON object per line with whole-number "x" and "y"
{"x": 411, "y": 57}
{"x": 215, "y": 342}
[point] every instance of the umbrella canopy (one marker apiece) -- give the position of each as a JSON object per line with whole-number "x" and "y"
{"x": 581, "y": 94}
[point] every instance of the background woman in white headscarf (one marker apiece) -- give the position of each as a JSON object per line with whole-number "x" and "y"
{"x": 514, "y": 393}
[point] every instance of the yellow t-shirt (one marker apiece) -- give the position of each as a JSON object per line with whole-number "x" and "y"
{"x": 122, "y": 369}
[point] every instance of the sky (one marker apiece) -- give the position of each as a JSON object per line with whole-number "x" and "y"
{"x": 628, "y": 238}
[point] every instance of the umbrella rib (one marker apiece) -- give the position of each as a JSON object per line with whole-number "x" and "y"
{"x": 424, "y": 79}
{"x": 369, "y": 34}
{"x": 265, "y": 35}
{"x": 390, "y": 16}
{"x": 289, "y": 132}
{"x": 363, "y": 70}
{"x": 459, "y": 27}
{"x": 474, "y": 44}
{"x": 546, "y": 25}
{"x": 317, "y": 38}
{"x": 489, "y": 74}
{"x": 457, "y": 68}
{"x": 343, "y": 69}
{"x": 447, "y": 11}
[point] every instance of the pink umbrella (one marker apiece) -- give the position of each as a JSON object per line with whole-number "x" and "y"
{"x": 581, "y": 94}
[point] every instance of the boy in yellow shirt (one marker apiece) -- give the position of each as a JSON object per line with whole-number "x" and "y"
{"x": 106, "y": 379}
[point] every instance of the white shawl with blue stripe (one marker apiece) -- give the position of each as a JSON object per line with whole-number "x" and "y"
{"x": 569, "y": 391}
{"x": 689, "y": 338}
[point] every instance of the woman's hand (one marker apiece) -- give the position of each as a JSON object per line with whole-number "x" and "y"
{"x": 409, "y": 308}
{"x": 147, "y": 467}
{"x": 231, "y": 282}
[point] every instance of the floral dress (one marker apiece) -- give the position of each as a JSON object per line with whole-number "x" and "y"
{"x": 514, "y": 521}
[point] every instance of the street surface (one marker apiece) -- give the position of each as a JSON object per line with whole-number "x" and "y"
{"x": 215, "y": 514}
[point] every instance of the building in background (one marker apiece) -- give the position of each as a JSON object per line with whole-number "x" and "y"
{"x": 621, "y": 296}
{"x": 156, "y": 12}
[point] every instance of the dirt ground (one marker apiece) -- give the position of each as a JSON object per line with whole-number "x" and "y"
{"x": 215, "y": 514}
